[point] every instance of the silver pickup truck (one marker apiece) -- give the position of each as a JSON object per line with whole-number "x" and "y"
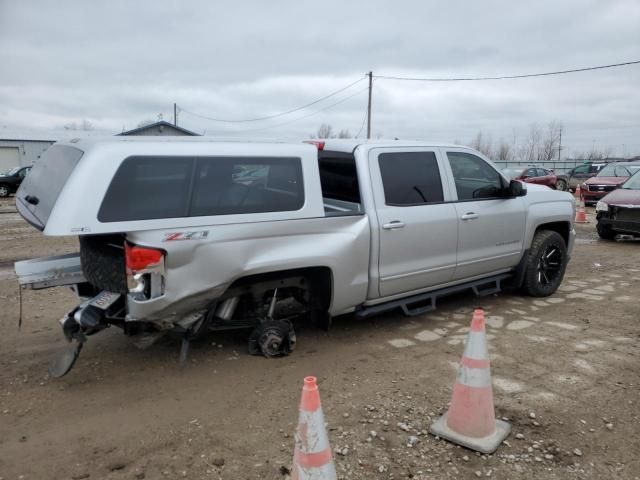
{"x": 188, "y": 236}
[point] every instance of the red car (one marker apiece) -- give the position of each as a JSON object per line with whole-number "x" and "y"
{"x": 619, "y": 211}
{"x": 532, "y": 174}
{"x": 607, "y": 180}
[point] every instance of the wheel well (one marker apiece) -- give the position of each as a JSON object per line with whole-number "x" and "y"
{"x": 317, "y": 280}
{"x": 561, "y": 228}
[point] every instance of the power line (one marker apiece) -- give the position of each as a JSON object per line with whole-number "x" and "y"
{"x": 305, "y": 116}
{"x": 506, "y": 77}
{"x": 267, "y": 117}
{"x": 364, "y": 119}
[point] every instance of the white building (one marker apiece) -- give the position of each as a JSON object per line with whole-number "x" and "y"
{"x": 24, "y": 147}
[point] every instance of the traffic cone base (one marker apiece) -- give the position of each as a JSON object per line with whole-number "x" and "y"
{"x": 312, "y": 458}
{"x": 581, "y": 212}
{"x": 471, "y": 421}
{"x": 487, "y": 444}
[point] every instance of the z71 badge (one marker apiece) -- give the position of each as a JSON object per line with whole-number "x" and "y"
{"x": 175, "y": 236}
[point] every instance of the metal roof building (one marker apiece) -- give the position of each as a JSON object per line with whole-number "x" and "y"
{"x": 24, "y": 147}
{"x": 161, "y": 128}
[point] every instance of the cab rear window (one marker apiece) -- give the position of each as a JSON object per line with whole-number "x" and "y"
{"x": 146, "y": 188}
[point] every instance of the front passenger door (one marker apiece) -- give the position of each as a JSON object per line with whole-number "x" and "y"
{"x": 490, "y": 226}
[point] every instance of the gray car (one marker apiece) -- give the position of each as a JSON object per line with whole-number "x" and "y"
{"x": 187, "y": 236}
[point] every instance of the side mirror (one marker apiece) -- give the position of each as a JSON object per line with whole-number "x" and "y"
{"x": 516, "y": 189}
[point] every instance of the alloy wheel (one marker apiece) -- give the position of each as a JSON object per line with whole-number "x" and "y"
{"x": 549, "y": 265}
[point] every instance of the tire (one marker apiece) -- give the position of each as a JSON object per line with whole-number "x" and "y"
{"x": 605, "y": 232}
{"x": 561, "y": 185}
{"x": 103, "y": 262}
{"x": 545, "y": 265}
{"x": 4, "y": 191}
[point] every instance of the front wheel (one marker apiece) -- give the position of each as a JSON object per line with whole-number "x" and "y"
{"x": 561, "y": 185}
{"x": 546, "y": 263}
{"x": 4, "y": 191}
{"x": 605, "y": 232}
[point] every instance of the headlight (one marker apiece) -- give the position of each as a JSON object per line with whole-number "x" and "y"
{"x": 602, "y": 207}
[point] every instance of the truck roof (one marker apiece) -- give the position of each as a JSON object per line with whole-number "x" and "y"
{"x": 339, "y": 145}
{"x": 349, "y": 145}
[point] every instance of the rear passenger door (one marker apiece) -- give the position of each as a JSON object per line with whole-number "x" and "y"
{"x": 490, "y": 226}
{"x": 417, "y": 229}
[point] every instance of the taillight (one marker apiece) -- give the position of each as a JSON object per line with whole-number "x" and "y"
{"x": 318, "y": 143}
{"x": 141, "y": 258}
{"x": 145, "y": 272}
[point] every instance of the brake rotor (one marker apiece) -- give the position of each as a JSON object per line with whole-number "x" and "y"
{"x": 272, "y": 338}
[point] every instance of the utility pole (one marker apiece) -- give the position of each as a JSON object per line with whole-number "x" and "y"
{"x": 175, "y": 114}
{"x": 560, "y": 144}
{"x": 370, "y": 75}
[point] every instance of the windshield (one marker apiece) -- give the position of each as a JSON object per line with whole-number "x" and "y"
{"x": 634, "y": 182}
{"x": 613, "y": 170}
{"x": 13, "y": 171}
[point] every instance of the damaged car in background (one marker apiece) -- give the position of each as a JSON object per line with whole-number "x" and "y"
{"x": 619, "y": 211}
{"x": 187, "y": 236}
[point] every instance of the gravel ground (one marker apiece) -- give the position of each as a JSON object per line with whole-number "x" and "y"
{"x": 565, "y": 374}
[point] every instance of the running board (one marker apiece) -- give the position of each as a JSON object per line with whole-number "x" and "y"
{"x": 426, "y": 302}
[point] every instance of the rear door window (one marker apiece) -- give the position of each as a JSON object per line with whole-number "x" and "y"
{"x": 146, "y": 188}
{"x": 410, "y": 178}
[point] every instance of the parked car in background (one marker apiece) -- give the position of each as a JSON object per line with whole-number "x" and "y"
{"x": 532, "y": 174}
{"x": 11, "y": 180}
{"x": 619, "y": 211}
{"x": 570, "y": 180}
{"x": 608, "y": 179}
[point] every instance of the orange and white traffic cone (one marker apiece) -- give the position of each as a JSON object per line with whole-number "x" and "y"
{"x": 581, "y": 213}
{"x": 312, "y": 459}
{"x": 471, "y": 421}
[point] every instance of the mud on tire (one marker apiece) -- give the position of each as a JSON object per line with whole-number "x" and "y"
{"x": 546, "y": 264}
{"x": 102, "y": 258}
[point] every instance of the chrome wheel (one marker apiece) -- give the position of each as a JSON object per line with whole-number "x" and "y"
{"x": 4, "y": 191}
{"x": 561, "y": 185}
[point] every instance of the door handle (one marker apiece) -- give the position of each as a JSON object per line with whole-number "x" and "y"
{"x": 393, "y": 225}
{"x": 469, "y": 216}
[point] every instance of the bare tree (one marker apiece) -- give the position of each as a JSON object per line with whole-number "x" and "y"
{"x": 483, "y": 144}
{"x": 344, "y": 134}
{"x": 503, "y": 151}
{"x": 548, "y": 149}
{"x": 145, "y": 122}
{"x": 531, "y": 148}
{"x": 325, "y": 131}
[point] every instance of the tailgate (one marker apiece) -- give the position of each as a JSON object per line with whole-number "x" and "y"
{"x": 46, "y": 272}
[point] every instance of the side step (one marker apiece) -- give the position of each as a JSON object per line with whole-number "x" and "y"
{"x": 426, "y": 302}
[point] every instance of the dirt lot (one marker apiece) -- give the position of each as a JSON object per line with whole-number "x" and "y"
{"x": 565, "y": 372}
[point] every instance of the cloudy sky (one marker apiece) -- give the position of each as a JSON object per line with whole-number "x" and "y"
{"x": 118, "y": 63}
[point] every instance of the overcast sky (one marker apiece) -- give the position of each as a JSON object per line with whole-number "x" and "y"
{"x": 117, "y": 63}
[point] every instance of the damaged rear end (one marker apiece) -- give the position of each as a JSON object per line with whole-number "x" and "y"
{"x": 145, "y": 212}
